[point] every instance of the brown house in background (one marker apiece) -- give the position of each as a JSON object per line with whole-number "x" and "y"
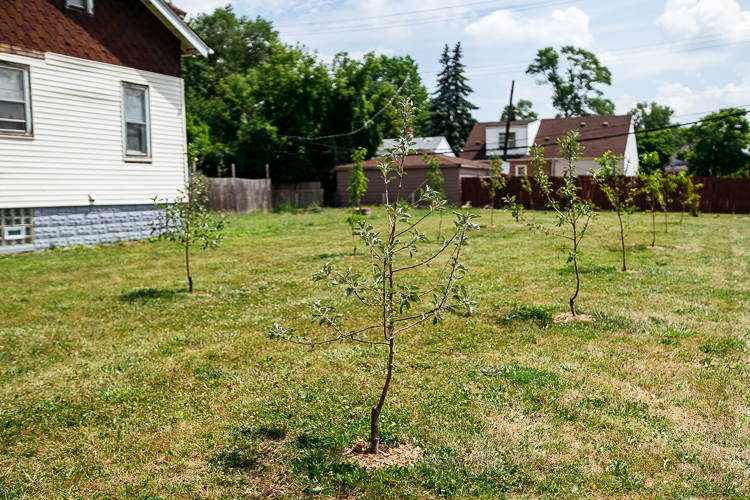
{"x": 415, "y": 178}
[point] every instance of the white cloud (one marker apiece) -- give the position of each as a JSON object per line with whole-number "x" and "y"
{"x": 563, "y": 27}
{"x": 685, "y": 100}
{"x": 689, "y": 18}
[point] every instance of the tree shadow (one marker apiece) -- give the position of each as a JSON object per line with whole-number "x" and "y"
{"x": 146, "y": 294}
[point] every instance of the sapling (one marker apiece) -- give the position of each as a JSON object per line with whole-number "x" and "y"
{"x": 618, "y": 190}
{"x": 188, "y": 222}
{"x": 686, "y": 193}
{"x": 435, "y": 178}
{"x": 357, "y": 186}
{"x": 651, "y": 180}
{"x": 494, "y": 182}
{"x": 393, "y": 302}
{"x": 526, "y": 186}
{"x": 573, "y": 215}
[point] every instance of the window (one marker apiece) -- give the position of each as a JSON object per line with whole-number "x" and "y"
{"x": 137, "y": 130}
{"x": 511, "y": 140}
{"x": 521, "y": 170}
{"x": 15, "y": 102}
{"x": 86, "y": 6}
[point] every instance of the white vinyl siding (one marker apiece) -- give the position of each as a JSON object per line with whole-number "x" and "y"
{"x": 82, "y": 5}
{"x": 15, "y": 105}
{"x": 77, "y": 148}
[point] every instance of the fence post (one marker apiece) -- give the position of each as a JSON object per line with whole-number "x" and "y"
{"x": 233, "y": 176}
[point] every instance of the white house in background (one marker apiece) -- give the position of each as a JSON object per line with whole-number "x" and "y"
{"x": 598, "y": 134}
{"x": 438, "y": 144}
{"x": 92, "y": 118}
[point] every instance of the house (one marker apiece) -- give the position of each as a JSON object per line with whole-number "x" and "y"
{"x": 438, "y": 144}
{"x": 92, "y": 118}
{"x": 598, "y": 134}
{"x": 415, "y": 178}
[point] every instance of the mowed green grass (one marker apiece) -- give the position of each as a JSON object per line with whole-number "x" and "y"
{"x": 114, "y": 383}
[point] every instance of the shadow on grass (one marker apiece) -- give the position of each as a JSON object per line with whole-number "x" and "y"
{"x": 525, "y": 313}
{"x": 147, "y": 294}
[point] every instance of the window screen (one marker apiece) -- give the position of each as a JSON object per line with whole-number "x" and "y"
{"x": 136, "y": 121}
{"x": 14, "y": 100}
{"x": 84, "y": 5}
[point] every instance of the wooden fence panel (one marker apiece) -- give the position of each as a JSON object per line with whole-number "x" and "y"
{"x": 239, "y": 195}
{"x": 298, "y": 195}
{"x": 718, "y": 194}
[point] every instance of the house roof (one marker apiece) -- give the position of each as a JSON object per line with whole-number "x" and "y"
{"x": 422, "y": 143}
{"x": 476, "y": 147}
{"x": 416, "y": 161}
{"x": 190, "y": 43}
{"x": 596, "y": 135}
{"x": 599, "y": 134}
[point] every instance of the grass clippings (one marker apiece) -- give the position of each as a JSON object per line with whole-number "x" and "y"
{"x": 398, "y": 456}
{"x": 568, "y": 317}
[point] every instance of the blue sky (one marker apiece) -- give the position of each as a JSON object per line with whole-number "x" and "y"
{"x": 688, "y": 54}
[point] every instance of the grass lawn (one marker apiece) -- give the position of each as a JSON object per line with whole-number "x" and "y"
{"x": 114, "y": 383}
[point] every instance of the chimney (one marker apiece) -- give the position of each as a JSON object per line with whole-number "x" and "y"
{"x": 512, "y": 114}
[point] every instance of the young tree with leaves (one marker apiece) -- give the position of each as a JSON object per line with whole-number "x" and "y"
{"x": 651, "y": 180}
{"x": 435, "y": 178}
{"x": 393, "y": 304}
{"x": 493, "y": 183}
{"x": 573, "y": 215}
{"x": 619, "y": 191}
{"x": 450, "y": 109}
{"x": 687, "y": 195}
{"x": 187, "y": 222}
{"x": 575, "y": 89}
{"x": 357, "y": 186}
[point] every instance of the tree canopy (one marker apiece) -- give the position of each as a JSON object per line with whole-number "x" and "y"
{"x": 450, "y": 110}
{"x": 523, "y": 111}
{"x": 574, "y": 80}
{"x": 718, "y": 144}
{"x": 662, "y": 142}
{"x": 257, "y": 101}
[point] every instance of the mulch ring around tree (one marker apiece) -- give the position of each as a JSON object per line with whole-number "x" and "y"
{"x": 567, "y": 318}
{"x": 399, "y": 456}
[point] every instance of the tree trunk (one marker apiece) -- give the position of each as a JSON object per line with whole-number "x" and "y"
{"x": 653, "y": 226}
{"x": 666, "y": 229}
{"x": 622, "y": 240}
{"x": 375, "y": 414}
{"x": 187, "y": 268}
{"x": 578, "y": 277}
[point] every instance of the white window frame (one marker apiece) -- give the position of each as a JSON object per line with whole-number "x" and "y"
{"x": 89, "y": 9}
{"x": 522, "y": 168}
{"x": 27, "y": 101}
{"x": 511, "y": 140}
{"x": 136, "y": 155}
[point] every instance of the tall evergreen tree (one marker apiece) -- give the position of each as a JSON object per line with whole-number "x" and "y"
{"x": 450, "y": 111}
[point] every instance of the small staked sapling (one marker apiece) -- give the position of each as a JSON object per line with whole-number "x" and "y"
{"x": 687, "y": 195}
{"x": 435, "y": 178}
{"x": 494, "y": 182}
{"x": 188, "y": 222}
{"x": 572, "y": 214}
{"x": 357, "y": 186}
{"x": 618, "y": 190}
{"x": 391, "y": 303}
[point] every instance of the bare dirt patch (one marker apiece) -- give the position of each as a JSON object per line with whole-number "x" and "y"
{"x": 568, "y": 317}
{"x": 400, "y": 456}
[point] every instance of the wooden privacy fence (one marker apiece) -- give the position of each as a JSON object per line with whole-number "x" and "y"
{"x": 718, "y": 194}
{"x": 245, "y": 195}
{"x": 298, "y": 195}
{"x": 239, "y": 195}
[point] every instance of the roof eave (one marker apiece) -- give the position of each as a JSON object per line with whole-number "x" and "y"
{"x": 190, "y": 43}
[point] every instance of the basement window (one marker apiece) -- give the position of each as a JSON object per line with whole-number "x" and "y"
{"x": 86, "y": 6}
{"x": 15, "y": 100}
{"x": 137, "y": 129}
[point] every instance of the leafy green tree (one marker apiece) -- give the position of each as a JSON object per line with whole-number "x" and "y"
{"x": 651, "y": 179}
{"x": 357, "y": 186}
{"x": 573, "y": 215}
{"x": 718, "y": 144}
{"x": 686, "y": 194}
{"x": 394, "y": 306}
{"x": 574, "y": 84}
{"x": 187, "y": 222}
{"x": 619, "y": 191}
{"x": 493, "y": 183}
{"x": 523, "y": 111}
{"x": 450, "y": 110}
{"x": 663, "y": 142}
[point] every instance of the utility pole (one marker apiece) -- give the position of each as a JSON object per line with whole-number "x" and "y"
{"x": 507, "y": 121}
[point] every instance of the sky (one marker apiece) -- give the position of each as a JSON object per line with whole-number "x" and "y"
{"x": 691, "y": 55}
